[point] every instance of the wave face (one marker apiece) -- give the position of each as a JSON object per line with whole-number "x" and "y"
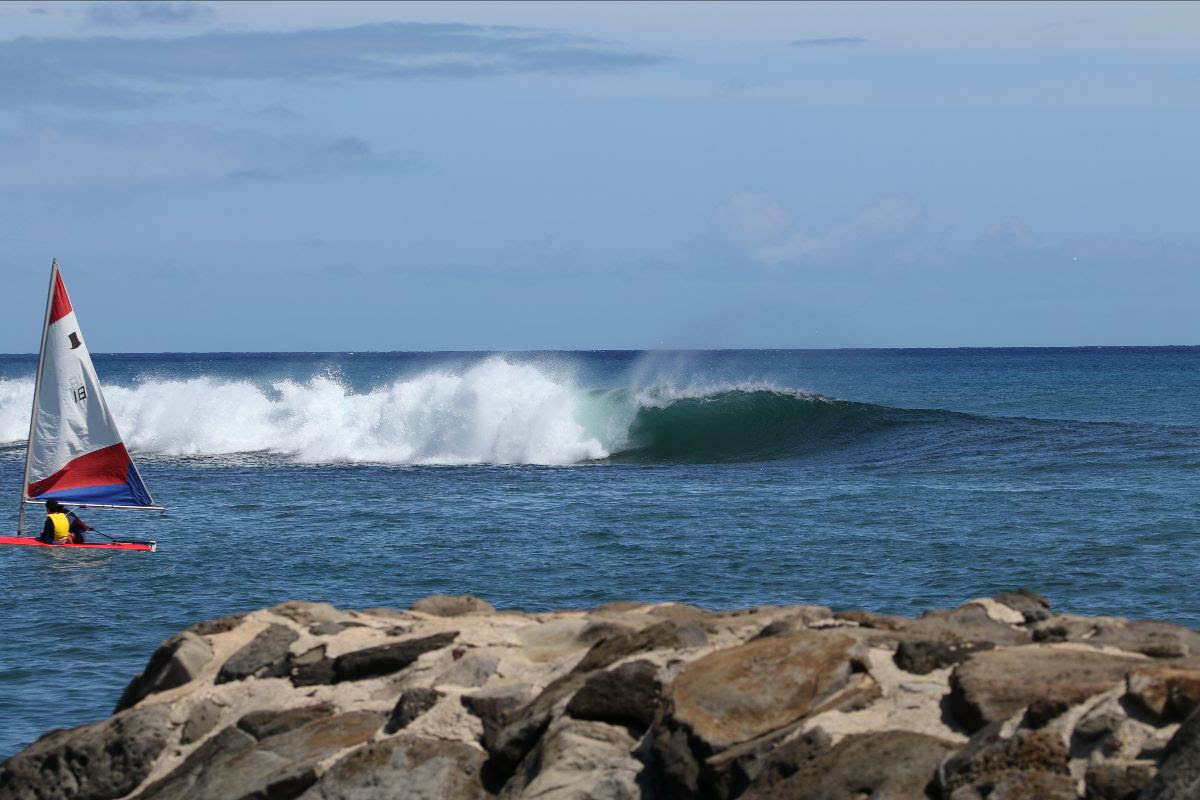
{"x": 748, "y": 424}
{"x": 489, "y": 412}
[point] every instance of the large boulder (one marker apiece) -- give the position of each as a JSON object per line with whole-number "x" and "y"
{"x": 313, "y": 667}
{"x": 991, "y": 767}
{"x": 405, "y": 766}
{"x": 993, "y": 685}
{"x": 888, "y": 765}
{"x": 458, "y": 605}
{"x": 576, "y": 760}
{"x": 177, "y": 661}
{"x": 739, "y": 693}
{"x": 1179, "y": 773}
{"x": 735, "y": 698}
{"x": 99, "y": 761}
{"x": 267, "y": 754}
{"x": 264, "y": 656}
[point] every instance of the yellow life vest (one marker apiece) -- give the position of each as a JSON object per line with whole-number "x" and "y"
{"x": 62, "y": 527}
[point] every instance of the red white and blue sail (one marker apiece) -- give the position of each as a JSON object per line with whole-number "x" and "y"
{"x": 75, "y": 454}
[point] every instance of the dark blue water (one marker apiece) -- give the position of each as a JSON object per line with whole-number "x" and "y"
{"x": 891, "y": 480}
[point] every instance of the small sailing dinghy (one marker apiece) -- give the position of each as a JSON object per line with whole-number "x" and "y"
{"x": 75, "y": 453}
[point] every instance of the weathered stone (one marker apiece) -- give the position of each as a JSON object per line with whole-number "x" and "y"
{"x": 1095, "y": 726}
{"x": 404, "y": 766}
{"x": 265, "y": 656}
{"x": 730, "y": 772}
{"x": 1148, "y": 637}
{"x": 495, "y": 708}
{"x": 1178, "y": 775}
{"x": 312, "y": 668}
{"x": 211, "y": 627}
{"x": 306, "y": 613}
{"x": 1168, "y": 693}
{"x": 99, "y": 761}
{"x": 265, "y": 724}
{"x": 869, "y": 619}
{"x": 201, "y": 720}
{"x": 967, "y": 623}
{"x": 578, "y": 759}
{"x": 234, "y": 764}
{"x": 666, "y": 635}
{"x": 739, "y": 693}
{"x": 1034, "y": 762}
{"x": 1032, "y": 605}
{"x": 326, "y": 628}
{"x": 1020, "y": 786}
{"x": 177, "y": 661}
{"x": 995, "y": 684}
{"x": 221, "y": 748}
{"x": 924, "y": 656}
{"x": 1118, "y": 780}
{"x": 470, "y": 671}
{"x": 412, "y": 704}
{"x": 627, "y": 695}
{"x": 889, "y": 765}
{"x": 387, "y": 658}
{"x": 445, "y": 605}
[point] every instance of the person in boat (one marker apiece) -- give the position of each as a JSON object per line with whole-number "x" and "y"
{"x": 62, "y": 526}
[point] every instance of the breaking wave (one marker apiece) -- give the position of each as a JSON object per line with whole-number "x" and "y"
{"x": 493, "y": 412}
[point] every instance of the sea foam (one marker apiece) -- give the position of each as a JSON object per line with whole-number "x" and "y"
{"x": 493, "y": 412}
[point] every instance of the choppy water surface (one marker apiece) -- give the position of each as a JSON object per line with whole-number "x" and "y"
{"x": 890, "y": 480}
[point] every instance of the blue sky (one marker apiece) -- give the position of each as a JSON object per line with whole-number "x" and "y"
{"x": 491, "y": 176}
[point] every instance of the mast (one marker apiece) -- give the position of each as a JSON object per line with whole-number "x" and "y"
{"x": 37, "y": 388}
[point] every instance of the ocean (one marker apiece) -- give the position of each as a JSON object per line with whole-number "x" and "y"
{"x": 891, "y": 480}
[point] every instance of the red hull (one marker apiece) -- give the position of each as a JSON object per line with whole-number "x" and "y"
{"x": 33, "y": 542}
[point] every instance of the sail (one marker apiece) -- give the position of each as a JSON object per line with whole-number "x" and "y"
{"x": 75, "y": 454}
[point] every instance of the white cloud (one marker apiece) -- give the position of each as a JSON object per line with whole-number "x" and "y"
{"x": 765, "y": 229}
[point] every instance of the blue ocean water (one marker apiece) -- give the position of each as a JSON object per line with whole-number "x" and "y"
{"x": 892, "y": 480}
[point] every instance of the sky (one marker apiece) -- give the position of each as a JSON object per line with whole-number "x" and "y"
{"x": 524, "y": 176}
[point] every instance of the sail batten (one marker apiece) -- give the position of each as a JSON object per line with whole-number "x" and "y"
{"x": 75, "y": 453}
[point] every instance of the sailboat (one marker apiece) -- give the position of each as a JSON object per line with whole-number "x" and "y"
{"x": 75, "y": 453}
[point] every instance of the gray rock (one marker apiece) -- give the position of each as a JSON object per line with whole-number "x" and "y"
{"x": 1148, "y": 637}
{"x": 265, "y": 724}
{"x": 313, "y": 667}
{"x": 99, "y": 761}
{"x": 577, "y": 760}
{"x": 891, "y": 765}
{"x": 306, "y": 613}
{"x": 922, "y": 656}
{"x": 211, "y": 627}
{"x": 1178, "y": 775}
{"x": 201, "y": 720}
{"x": 666, "y": 635}
{"x": 444, "y": 605}
{"x": 265, "y": 656}
{"x": 282, "y": 764}
{"x": 387, "y": 658}
{"x": 412, "y": 704}
{"x": 471, "y": 670}
{"x": 1032, "y": 605}
{"x": 628, "y": 695}
{"x": 404, "y": 766}
{"x": 177, "y": 661}
{"x": 495, "y": 708}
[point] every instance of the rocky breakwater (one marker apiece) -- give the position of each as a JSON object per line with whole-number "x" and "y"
{"x": 998, "y": 698}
